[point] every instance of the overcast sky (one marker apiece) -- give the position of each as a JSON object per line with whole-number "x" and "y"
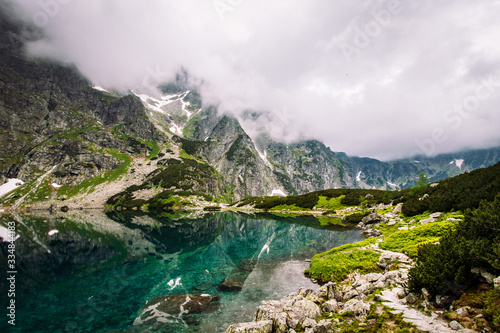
{"x": 384, "y": 79}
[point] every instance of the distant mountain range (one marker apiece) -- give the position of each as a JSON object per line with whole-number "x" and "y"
{"x": 63, "y": 137}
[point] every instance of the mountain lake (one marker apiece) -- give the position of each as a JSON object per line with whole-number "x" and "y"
{"x": 93, "y": 272}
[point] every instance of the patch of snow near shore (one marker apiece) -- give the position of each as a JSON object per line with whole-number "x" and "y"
{"x": 11, "y": 185}
{"x": 5, "y": 234}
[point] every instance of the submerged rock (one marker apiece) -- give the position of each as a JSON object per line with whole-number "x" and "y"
{"x": 170, "y": 308}
{"x": 231, "y": 284}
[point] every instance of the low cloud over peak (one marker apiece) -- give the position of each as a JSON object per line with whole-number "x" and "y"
{"x": 384, "y": 79}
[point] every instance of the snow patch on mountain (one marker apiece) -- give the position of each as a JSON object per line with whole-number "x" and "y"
{"x": 176, "y": 129}
{"x": 100, "y": 88}
{"x": 358, "y": 177}
{"x": 263, "y": 156}
{"x": 152, "y": 103}
{"x": 278, "y": 193}
{"x": 458, "y": 163}
{"x": 158, "y": 105}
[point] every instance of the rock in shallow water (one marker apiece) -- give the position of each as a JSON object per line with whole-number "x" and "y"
{"x": 167, "y": 309}
{"x": 231, "y": 284}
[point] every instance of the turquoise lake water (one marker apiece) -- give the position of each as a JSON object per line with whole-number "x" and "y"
{"x": 91, "y": 272}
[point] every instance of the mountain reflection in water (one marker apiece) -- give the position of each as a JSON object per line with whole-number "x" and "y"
{"x": 103, "y": 269}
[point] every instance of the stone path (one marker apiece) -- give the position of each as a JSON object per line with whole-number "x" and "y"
{"x": 421, "y": 321}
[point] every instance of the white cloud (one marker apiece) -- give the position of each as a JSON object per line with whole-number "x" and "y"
{"x": 409, "y": 62}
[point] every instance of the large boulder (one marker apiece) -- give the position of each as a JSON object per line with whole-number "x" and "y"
{"x": 371, "y": 233}
{"x": 436, "y": 215}
{"x": 356, "y": 307}
{"x": 273, "y": 310}
{"x": 330, "y": 291}
{"x": 299, "y": 308}
{"x": 388, "y": 257}
{"x": 373, "y": 218}
{"x": 324, "y": 326}
{"x": 331, "y": 306}
{"x": 310, "y": 294}
{"x": 398, "y": 209}
{"x": 253, "y": 327}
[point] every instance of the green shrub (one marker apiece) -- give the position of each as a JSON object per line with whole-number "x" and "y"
{"x": 356, "y": 217}
{"x": 456, "y": 193}
{"x": 407, "y": 241}
{"x": 475, "y": 242}
{"x": 336, "y": 264}
{"x": 330, "y": 203}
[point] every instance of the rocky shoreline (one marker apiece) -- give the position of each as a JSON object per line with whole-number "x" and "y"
{"x": 361, "y": 301}
{"x": 358, "y": 298}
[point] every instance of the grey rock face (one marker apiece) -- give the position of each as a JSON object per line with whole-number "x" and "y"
{"x": 386, "y": 259}
{"x": 232, "y": 152}
{"x": 330, "y": 291}
{"x": 330, "y": 306}
{"x": 454, "y": 325}
{"x": 357, "y": 307}
{"x": 46, "y": 108}
{"x": 398, "y": 209}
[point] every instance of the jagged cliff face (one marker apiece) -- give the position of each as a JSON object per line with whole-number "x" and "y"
{"x": 232, "y": 152}
{"x": 310, "y": 165}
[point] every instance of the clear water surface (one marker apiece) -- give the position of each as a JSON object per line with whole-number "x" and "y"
{"x": 91, "y": 272}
